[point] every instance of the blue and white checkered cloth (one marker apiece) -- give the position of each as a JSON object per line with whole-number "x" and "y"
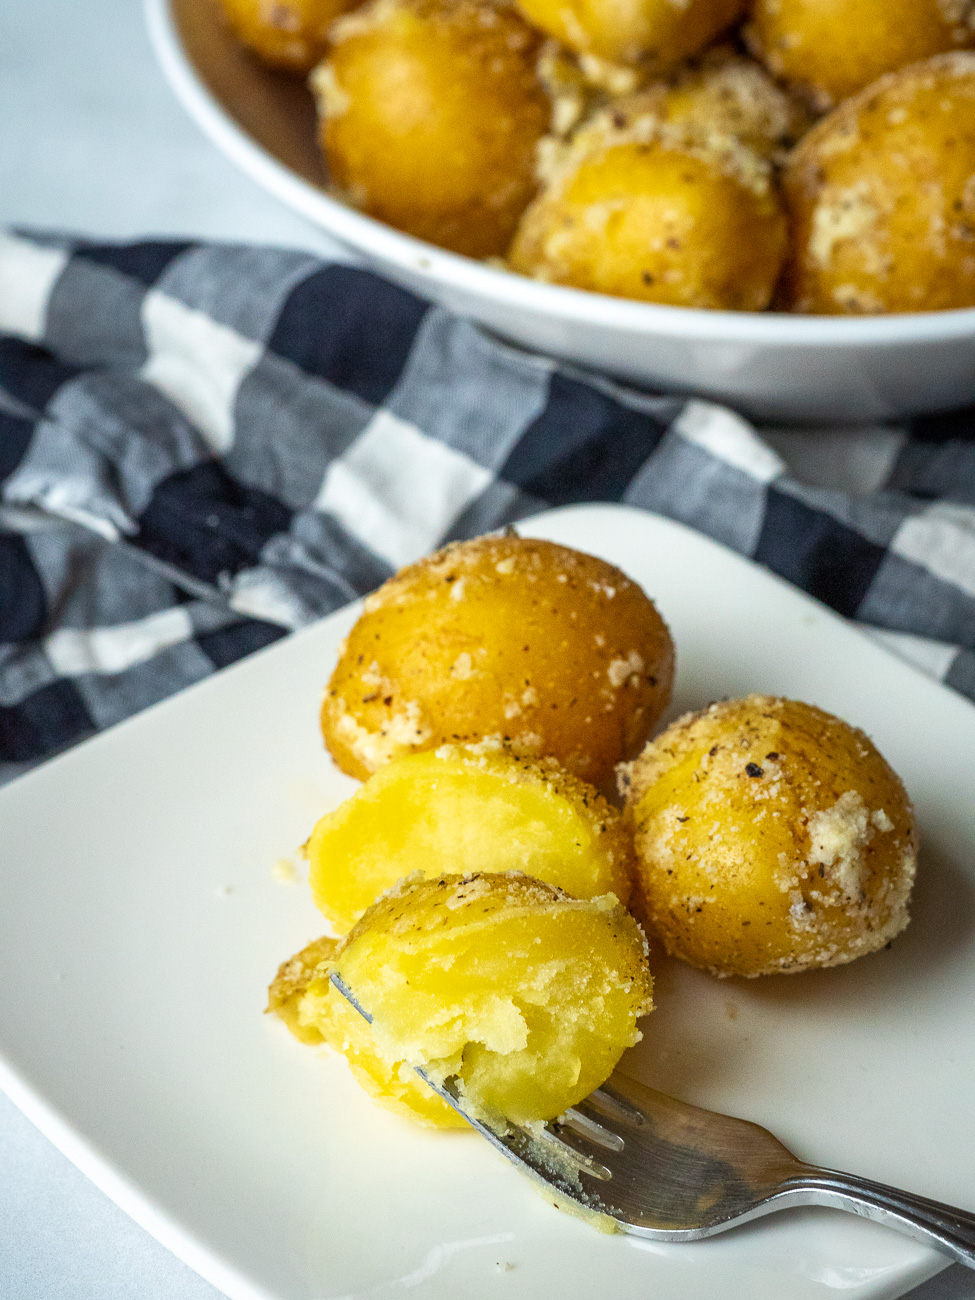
{"x": 203, "y": 447}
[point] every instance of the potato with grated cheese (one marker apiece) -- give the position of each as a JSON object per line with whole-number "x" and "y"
{"x": 430, "y": 113}
{"x": 881, "y": 197}
{"x": 722, "y": 94}
{"x": 662, "y": 211}
{"x": 554, "y": 652}
{"x": 770, "y": 836}
{"x": 834, "y": 48}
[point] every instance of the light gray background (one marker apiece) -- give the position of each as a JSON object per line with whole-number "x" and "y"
{"x": 91, "y": 140}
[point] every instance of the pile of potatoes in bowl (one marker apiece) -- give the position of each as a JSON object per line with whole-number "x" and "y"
{"x": 491, "y": 893}
{"x": 812, "y": 156}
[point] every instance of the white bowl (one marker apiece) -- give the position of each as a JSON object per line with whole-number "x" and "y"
{"x": 771, "y": 366}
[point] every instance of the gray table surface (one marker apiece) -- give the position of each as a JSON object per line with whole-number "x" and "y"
{"x": 91, "y": 140}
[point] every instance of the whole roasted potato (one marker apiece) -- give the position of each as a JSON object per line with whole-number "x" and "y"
{"x": 430, "y": 113}
{"x": 770, "y": 836}
{"x": 646, "y": 209}
{"x": 555, "y": 652}
{"x": 881, "y": 197}
{"x": 834, "y": 48}
{"x": 289, "y": 34}
{"x": 657, "y": 32}
{"x": 526, "y": 995}
{"x": 466, "y": 809}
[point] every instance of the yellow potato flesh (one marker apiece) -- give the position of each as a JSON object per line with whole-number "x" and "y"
{"x": 770, "y": 837}
{"x": 837, "y": 47}
{"x": 289, "y": 34}
{"x": 659, "y": 32}
{"x": 529, "y": 997}
{"x": 659, "y": 222}
{"x": 881, "y": 197}
{"x": 555, "y": 652}
{"x": 302, "y": 996}
{"x": 431, "y": 110}
{"x": 464, "y": 811}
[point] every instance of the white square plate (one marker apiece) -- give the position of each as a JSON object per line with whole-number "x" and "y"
{"x": 141, "y": 922}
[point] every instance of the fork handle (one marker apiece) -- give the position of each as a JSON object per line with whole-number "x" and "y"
{"x": 943, "y": 1226}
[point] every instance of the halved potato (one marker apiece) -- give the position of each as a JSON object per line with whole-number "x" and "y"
{"x": 303, "y": 998}
{"x": 641, "y": 207}
{"x": 527, "y": 996}
{"x": 465, "y": 809}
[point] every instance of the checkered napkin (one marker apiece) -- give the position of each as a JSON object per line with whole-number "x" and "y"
{"x": 204, "y": 447}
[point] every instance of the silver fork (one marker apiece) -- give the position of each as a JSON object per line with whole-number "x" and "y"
{"x": 663, "y": 1169}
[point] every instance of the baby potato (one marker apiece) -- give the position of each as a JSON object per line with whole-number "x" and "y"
{"x": 658, "y": 32}
{"x": 527, "y": 996}
{"x": 555, "y": 652}
{"x": 430, "y": 114}
{"x": 648, "y": 210}
{"x": 287, "y": 34}
{"x": 467, "y": 809}
{"x": 834, "y": 48}
{"x": 770, "y": 836}
{"x": 881, "y": 197}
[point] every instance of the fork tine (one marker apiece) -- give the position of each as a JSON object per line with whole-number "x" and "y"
{"x": 610, "y": 1102}
{"x": 592, "y": 1126}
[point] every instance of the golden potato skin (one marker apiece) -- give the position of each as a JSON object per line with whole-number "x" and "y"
{"x": 649, "y": 211}
{"x": 556, "y": 652}
{"x": 430, "y": 114}
{"x": 834, "y": 48}
{"x": 770, "y": 837}
{"x": 467, "y": 809}
{"x": 288, "y": 34}
{"x": 658, "y": 32}
{"x": 526, "y": 995}
{"x": 881, "y": 197}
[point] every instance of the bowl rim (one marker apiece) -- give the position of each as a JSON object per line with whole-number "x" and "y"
{"x": 502, "y": 287}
